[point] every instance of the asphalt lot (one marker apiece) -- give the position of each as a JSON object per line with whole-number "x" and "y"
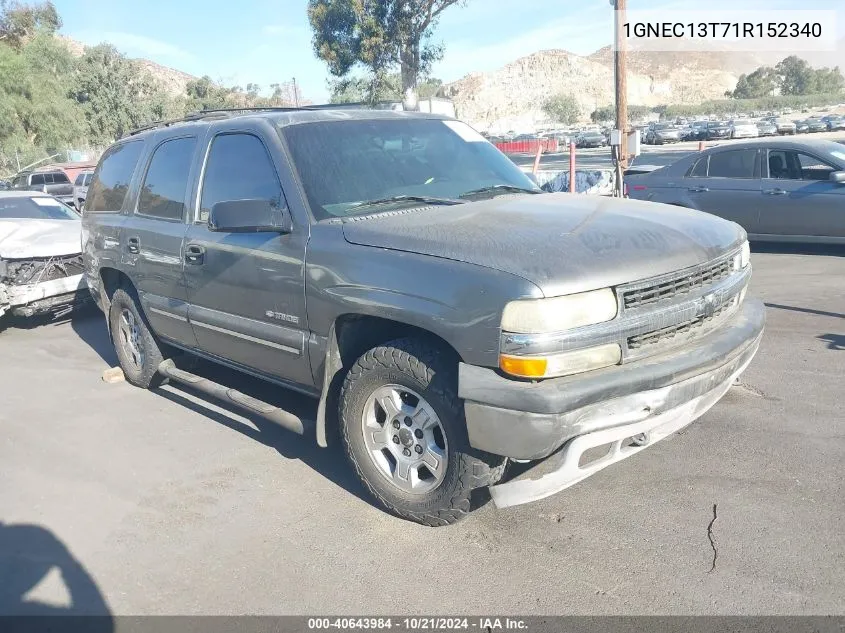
{"x": 160, "y": 502}
{"x": 599, "y": 157}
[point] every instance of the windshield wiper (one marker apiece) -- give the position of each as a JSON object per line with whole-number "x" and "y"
{"x": 402, "y": 198}
{"x": 495, "y": 189}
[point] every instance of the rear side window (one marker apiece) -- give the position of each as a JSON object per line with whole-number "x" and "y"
{"x": 165, "y": 187}
{"x": 239, "y": 168}
{"x": 79, "y": 180}
{"x": 699, "y": 170}
{"x": 60, "y": 178}
{"x": 37, "y": 179}
{"x": 110, "y": 183}
{"x": 733, "y": 164}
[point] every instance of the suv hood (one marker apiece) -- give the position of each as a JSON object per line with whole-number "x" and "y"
{"x": 21, "y": 238}
{"x": 561, "y": 242}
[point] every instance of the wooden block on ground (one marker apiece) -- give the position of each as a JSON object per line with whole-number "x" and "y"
{"x": 113, "y": 375}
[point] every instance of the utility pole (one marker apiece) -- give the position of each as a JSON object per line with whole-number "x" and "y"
{"x": 620, "y": 75}
{"x": 295, "y": 93}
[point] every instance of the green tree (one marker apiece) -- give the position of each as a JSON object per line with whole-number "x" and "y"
{"x": 828, "y": 81}
{"x": 760, "y": 83}
{"x": 563, "y": 108}
{"x": 377, "y": 35}
{"x": 116, "y": 93}
{"x": 795, "y": 76}
{"x": 204, "y": 94}
{"x": 606, "y": 113}
{"x": 375, "y": 88}
{"x": 20, "y": 22}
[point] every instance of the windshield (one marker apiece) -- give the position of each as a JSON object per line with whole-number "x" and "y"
{"x": 343, "y": 164}
{"x": 36, "y": 208}
{"x": 664, "y": 126}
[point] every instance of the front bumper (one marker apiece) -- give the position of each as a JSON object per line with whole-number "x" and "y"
{"x": 656, "y": 395}
{"x": 47, "y": 296}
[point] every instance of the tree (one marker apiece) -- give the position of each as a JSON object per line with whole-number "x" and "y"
{"x": 795, "y": 76}
{"x": 828, "y": 81}
{"x": 378, "y": 35}
{"x": 20, "y": 22}
{"x": 375, "y": 88}
{"x": 606, "y": 113}
{"x": 562, "y": 108}
{"x": 760, "y": 83}
{"x": 204, "y": 94}
{"x": 116, "y": 93}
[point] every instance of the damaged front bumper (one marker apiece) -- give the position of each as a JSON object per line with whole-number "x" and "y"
{"x": 48, "y": 296}
{"x": 567, "y": 417}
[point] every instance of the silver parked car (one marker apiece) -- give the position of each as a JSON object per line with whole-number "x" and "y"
{"x": 80, "y": 188}
{"x": 777, "y": 189}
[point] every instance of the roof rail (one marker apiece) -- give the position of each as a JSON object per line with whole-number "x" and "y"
{"x": 223, "y": 112}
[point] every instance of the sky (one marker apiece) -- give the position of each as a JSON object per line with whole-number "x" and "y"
{"x": 269, "y": 41}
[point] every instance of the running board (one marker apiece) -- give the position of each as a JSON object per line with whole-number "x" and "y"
{"x": 281, "y": 417}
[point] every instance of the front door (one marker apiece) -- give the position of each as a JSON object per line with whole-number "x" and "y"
{"x": 246, "y": 290}
{"x": 800, "y": 198}
{"x": 731, "y": 188}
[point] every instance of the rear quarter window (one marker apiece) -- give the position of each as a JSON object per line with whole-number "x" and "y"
{"x": 110, "y": 182}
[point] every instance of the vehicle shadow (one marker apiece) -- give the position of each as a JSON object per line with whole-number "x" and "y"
{"x": 780, "y": 306}
{"x": 788, "y": 248}
{"x": 90, "y": 326}
{"x": 27, "y": 554}
{"x": 834, "y": 341}
{"x": 329, "y": 462}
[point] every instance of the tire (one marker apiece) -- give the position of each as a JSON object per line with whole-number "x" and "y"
{"x": 140, "y": 358}
{"x": 425, "y": 378}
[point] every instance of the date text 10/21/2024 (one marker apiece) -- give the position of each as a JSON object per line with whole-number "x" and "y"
{"x": 418, "y": 623}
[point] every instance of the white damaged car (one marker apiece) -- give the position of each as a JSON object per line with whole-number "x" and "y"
{"x": 40, "y": 255}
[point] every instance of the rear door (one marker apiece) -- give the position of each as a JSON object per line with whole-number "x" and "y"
{"x": 731, "y": 187}
{"x": 800, "y": 198}
{"x": 246, "y": 290}
{"x": 155, "y": 233}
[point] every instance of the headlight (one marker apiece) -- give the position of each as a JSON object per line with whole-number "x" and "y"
{"x": 563, "y": 364}
{"x": 540, "y": 316}
{"x": 742, "y": 259}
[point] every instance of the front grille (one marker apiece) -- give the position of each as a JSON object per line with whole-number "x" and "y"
{"x": 667, "y": 334}
{"x": 676, "y": 286}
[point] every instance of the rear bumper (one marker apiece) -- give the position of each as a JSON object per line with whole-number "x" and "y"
{"x": 529, "y": 421}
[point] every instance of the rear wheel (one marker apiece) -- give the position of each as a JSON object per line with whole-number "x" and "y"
{"x": 137, "y": 350}
{"x": 404, "y": 432}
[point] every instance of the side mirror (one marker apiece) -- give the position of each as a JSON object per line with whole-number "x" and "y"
{"x": 248, "y": 216}
{"x": 838, "y": 176}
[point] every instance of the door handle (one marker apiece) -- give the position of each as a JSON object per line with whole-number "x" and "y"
{"x": 133, "y": 245}
{"x": 775, "y": 192}
{"x": 698, "y": 189}
{"x": 194, "y": 254}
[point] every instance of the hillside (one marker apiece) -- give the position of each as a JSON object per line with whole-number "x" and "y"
{"x": 511, "y": 97}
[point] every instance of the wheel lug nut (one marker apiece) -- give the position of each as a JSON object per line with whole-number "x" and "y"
{"x": 395, "y": 424}
{"x": 407, "y": 421}
{"x": 418, "y": 448}
{"x": 395, "y": 439}
{"x": 407, "y": 452}
{"x": 418, "y": 434}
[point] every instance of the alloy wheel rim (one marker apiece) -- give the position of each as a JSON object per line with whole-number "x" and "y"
{"x": 130, "y": 338}
{"x": 405, "y": 439}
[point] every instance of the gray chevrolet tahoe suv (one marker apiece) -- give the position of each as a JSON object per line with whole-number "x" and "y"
{"x": 448, "y": 316}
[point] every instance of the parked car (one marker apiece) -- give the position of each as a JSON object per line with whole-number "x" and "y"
{"x": 802, "y": 127}
{"x": 834, "y": 123}
{"x": 698, "y": 131}
{"x": 814, "y": 124}
{"x": 717, "y": 130}
{"x": 54, "y": 183}
{"x": 767, "y": 127}
{"x": 784, "y": 126}
{"x": 660, "y": 133}
{"x": 743, "y": 128}
{"x": 80, "y": 188}
{"x": 40, "y": 255}
{"x": 324, "y": 254}
{"x": 776, "y": 189}
{"x": 590, "y": 139}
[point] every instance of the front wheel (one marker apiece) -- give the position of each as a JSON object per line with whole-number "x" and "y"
{"x": 403, "y": 429}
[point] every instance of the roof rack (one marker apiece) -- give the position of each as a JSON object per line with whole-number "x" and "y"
{"x": 224, "y": 112}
